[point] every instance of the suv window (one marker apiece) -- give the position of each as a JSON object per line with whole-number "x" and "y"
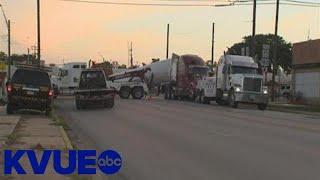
{"x": 32, "y": 77}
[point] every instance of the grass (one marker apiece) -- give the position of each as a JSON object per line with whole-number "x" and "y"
{"x": 58, "y": 121}
{"x": 295, "y": 108}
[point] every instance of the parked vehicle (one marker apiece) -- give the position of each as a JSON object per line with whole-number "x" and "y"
{"x": 177, "y": 77}
{"x": 130, "y": 82}
{"x": 93, "y": 89}
{"x": 67, "y": 77}
{"x": 29, "y": 88}
{"x": 236, "y": 81}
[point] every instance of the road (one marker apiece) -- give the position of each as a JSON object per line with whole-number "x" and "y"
{"x": 174, "y": 140}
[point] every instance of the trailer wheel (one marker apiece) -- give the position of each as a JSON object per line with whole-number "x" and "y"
{"x": 262, "y": 107}
{"x": 232, "y": 99}
{"x": 137, "y": 93}
{"x": 125, "y": 92}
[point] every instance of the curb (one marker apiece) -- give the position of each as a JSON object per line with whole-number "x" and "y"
{"x": 66, "y": 139}
{"x": 64, "y": 134}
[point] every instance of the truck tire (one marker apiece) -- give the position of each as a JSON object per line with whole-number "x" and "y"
{"x": 219, "y": 98}
{"x": 206, "y": 100}
{"x": 109, "y": 103}
{"x": 78, "y": 104}
{"x": 125, "y": 92}
{"x": 262, "y": 107}
{"x": 232, "y": 99}
{"x": 10, "y": 109}
{"x": 137, "y": 93}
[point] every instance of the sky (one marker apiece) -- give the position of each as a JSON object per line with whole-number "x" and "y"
{"x": 79, "y": 32}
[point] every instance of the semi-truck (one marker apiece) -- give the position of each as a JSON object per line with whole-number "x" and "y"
{"x": 177, "y": 77}
{"x": 236, "y": 81}
{"x": 66, "y": 78}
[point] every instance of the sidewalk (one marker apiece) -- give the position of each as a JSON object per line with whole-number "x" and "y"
{"x": 35, "y": 132}
{"x": 7, "y": 126}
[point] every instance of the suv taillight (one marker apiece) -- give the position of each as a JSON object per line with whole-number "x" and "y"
{"x": 9, "y": 88}
{"x": 50, "y": 92}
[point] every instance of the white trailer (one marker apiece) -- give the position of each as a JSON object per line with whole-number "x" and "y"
{"x": 236, "y": 81}
{"x": 67, "y": 76}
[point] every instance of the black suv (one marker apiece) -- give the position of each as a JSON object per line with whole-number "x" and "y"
{"x": 29, "y": 88}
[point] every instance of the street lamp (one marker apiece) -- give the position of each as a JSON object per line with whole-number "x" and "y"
{"x": 9, "y": 42}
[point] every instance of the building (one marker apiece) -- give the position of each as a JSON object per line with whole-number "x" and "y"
{"x": 306, "y": 71}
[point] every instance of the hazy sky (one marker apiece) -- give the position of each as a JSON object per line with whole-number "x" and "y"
{"x": 78, "y": 32}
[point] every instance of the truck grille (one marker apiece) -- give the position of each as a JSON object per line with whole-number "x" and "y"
{"x": 252, "y": 84}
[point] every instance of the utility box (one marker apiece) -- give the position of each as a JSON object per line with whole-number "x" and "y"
{"x": 306, "y": 74}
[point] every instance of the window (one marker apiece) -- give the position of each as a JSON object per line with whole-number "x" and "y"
{"x": 24, "y": 76}
{"x": 76, "y": 66}
{"x": 63, "y": 73}
{"x": 243, "y": 70}
{"x": 83, "y": 66}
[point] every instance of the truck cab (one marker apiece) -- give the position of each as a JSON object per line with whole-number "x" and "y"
{"x": 238, "y": 81}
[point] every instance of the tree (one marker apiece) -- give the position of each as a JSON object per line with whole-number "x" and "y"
{"x": 284, "y": 50}
{"x": 123, "y": 66}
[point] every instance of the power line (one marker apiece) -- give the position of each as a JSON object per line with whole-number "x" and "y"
{"x": 231, "y": 3}
{"x": 139, "y": 4}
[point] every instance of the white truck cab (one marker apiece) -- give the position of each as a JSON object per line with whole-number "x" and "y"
{"x": 238, "y": 81}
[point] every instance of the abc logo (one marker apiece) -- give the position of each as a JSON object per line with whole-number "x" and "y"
{"x": 109, "y": 162}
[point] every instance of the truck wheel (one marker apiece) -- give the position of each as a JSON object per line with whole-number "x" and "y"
{"x": 206, "y": 100}
{"x": 232, "y": 99}
{"x": 125, "y": 92}
{"x": 262, "y": 107}
{"x": 109, "y": 103}
{"x": 78, "y": 104}
{"x": 10, "y": 109}
{"x": 137, "y": 93}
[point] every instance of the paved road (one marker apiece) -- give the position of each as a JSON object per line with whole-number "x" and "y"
{"x": 181, "y": 140}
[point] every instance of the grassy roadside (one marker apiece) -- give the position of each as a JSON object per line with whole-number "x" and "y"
{"x": 294, "y": 108}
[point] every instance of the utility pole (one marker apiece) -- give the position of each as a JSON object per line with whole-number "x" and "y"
{"x": 168, "y": 32}
{"x": 253, "y": 38}
{"x": 28, "y": 61}
{"x": 39, "y": 38}
{"x": 212, "y": 47}
{"x": 9, "y": 50}
{"x": 131, "y": 56}
{"x": 275, "y": 48}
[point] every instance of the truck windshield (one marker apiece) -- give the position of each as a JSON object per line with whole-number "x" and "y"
{"x": 243, "y": 70}
{"x": 199, "y": 71}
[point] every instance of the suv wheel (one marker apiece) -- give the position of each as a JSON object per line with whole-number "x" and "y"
{"x": 48, "y": 111}
{"x": 10, "y": 109}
